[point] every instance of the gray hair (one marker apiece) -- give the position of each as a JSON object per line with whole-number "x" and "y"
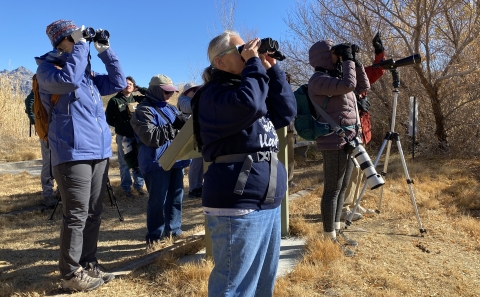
{"x": 216, "y": 46}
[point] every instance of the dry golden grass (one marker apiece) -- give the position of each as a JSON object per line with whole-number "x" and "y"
{"x": 391, "y": 259}
{"x": 15, "y": 143}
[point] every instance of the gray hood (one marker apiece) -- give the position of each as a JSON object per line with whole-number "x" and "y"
{"x": 320, "y": 55}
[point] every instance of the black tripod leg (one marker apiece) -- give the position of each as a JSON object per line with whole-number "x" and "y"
{"x": 55, "y": 208}
{"x": 113, "y": 199}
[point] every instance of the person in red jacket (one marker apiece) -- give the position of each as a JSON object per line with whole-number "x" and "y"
{"x": 353, "y": 189}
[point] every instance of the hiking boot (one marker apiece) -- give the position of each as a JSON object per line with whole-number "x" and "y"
{"x": 128, "y": 194}
{"x": 81, "y": 281}
{"x": 49, "y": 201}
{"x": 141, "y": 192}
{"x": 346, "y": 215}
{"x": 93, "y": 270}
{"x": 347, "y": 252}
{"x": 348, "y": 241}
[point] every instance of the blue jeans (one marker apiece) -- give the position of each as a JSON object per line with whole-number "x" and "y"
{"x": 195, "y": 174}
{"x": 164, "y": 208}
{"x": 246, "y": 251}
{"x": 125, "y": 178}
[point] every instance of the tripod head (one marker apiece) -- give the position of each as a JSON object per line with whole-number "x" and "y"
{"x": 395, "y": 77}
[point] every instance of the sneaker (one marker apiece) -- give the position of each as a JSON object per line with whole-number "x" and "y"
{"x": 128, "y": 194}
{"x": 93, "y": 270}
{"x": 346, "y": 214}
{"x": 141, "y": 192}
{"x": 363, "y": 210}
{"x": 347, "y": 252}
{"x": 348, "y": 241}
{"x": 81, "y": 281}
{"x": 49, "y": 201}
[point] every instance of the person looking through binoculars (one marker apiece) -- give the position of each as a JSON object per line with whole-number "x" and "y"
{"x": 363, "y": 104}
{"x": 337, "y": 75}
{"x": 245, "y": 98}
{"x": 80, "y": 143}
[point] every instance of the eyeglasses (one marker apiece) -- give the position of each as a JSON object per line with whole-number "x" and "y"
{"x": 231, "y": 49}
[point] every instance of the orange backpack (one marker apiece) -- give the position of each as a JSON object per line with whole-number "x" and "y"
{"x": 42, "y": 118}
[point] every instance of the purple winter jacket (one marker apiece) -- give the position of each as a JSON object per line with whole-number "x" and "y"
{"x": 341, "y": 105}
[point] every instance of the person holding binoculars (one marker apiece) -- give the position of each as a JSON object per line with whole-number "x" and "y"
{"x": 80, "y": 142}
{"x": 245, "y": 98}
{"x": 337, "y": 75}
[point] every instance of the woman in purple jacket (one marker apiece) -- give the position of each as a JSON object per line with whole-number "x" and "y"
{"x": 336, "y": 76}
{"x": 80, "y": 139}
{"x": 245, "y": 99}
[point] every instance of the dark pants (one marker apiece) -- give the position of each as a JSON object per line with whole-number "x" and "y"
{"x": 82, "y": 185}
{"x": 337, "y": 169}
{"x": 164, "y": 208}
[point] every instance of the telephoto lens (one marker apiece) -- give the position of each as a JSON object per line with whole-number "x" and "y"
{"x": 88, "y": 33}
{"x": 374, "y": 180}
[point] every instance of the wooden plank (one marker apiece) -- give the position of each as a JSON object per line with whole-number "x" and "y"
{"x": 177, "y": 248}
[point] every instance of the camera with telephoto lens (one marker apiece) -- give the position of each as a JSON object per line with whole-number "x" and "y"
{"x": 336, "y": 48}
{"x": 361, "y": 158}
{"x": 268, "y": 45}
{"x": 100, "y": 36}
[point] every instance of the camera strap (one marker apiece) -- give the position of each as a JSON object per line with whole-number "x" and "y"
{"x": 336, "y": 128}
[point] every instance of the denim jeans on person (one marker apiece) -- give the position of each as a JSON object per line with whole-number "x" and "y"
{"x": 82, "y": 185}
{"x": 195, "y": 174}
{"x": 125, "y": 177}
{"x": 337, "y": 169}
{"x": 46, "y": 175}
{"x": 246, "y": 251}
{"x": 164, "y": 207}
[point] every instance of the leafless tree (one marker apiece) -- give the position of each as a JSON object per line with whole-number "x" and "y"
{"x": 443, "y": 32}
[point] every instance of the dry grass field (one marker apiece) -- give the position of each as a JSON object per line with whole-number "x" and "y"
{"x": 391, "y": 259}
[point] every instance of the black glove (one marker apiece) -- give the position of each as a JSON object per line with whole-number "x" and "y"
{"x": 377, "y": 44}
{"x": 344, "y": 50}
{"x": 363, "y": 104}
{"x": 180, "y": 120}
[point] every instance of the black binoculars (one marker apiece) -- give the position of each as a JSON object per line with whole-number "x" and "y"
{"x": 336, "y": 48}
{"x": 268, "y": 45}
{"x": 100, "y": 36}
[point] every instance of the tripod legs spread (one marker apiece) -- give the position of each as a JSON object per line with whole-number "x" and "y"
{"x": 111, "y": 195}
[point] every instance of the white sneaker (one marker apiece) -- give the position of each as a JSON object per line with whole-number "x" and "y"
{"x": 346, "y": 214}
{"x": 363, "y": 210}
{"x": 81, "y": 281}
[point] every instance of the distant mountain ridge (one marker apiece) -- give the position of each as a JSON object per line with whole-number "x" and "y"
{"x": 21, "y": 77}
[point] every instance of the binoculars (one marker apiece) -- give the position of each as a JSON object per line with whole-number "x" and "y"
{"x": 268, "y": 45}
{"x": 336, "y": 48}
{"x": 100, "y": 35}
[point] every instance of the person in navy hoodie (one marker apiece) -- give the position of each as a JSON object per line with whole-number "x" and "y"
{"x": 156, "y": 123}
{"x": 244, "y": 100}
{"x": 79, "y": 139}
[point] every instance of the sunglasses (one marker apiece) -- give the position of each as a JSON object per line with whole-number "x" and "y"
{"x": 236, "y": 48}
{"x": 168, "y": 92}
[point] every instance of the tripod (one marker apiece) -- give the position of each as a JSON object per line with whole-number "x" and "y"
{"x": 387, "y": 141}
{"x": 111, "y": 195}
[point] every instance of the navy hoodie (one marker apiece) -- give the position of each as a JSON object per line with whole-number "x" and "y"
{"x": 242, "y": 117}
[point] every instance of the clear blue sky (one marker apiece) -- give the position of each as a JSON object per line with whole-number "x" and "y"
{"x": 150, "y": 37}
